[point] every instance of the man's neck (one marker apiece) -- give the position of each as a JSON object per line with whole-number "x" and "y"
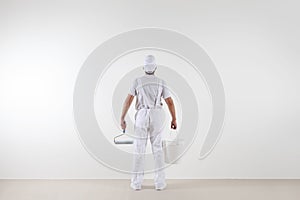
{"x": 146, "y": 73}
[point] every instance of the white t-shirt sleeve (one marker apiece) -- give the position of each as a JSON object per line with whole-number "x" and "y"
{"x": 132, "y": 89}
{"x": 165, "y": 92}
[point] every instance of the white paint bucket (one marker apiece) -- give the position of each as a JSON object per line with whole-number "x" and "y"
{"x": 173, "y": 150}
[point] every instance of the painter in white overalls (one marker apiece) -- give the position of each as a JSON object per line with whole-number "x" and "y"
{"x": 149, "y": 121}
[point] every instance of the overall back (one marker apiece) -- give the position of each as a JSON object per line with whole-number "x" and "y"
{"x": 149, "y": 121}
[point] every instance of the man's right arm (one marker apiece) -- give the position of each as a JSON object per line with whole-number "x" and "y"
{"x": 170, "y": 103}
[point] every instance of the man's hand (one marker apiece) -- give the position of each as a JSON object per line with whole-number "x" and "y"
{"x": 123, "y": 124}
{"x": 173, "y": 124}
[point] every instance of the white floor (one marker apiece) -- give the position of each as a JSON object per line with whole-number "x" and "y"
{"x": 177, "y": 189}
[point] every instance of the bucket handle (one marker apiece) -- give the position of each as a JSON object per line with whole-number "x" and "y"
{"x": 176, "y": 138}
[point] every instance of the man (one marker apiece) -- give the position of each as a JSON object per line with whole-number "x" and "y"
{"x": 149, "y": 120}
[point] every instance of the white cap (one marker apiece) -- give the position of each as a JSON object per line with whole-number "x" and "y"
{"x": 149, "y": 64}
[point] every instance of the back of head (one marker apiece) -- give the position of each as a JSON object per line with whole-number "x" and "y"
{"x": 149, "y": 64}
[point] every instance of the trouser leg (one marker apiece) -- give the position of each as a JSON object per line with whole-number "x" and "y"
{"x": 140, "y": 144}
{"x": 159, "y": 174}
{"x": 156, "y": 127}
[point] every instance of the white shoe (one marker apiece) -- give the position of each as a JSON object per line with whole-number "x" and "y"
{"x": 135, "y": 186}
{"x": 160, "y": 186}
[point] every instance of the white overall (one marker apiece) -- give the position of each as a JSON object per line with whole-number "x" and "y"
{"x": 148, "y": 122}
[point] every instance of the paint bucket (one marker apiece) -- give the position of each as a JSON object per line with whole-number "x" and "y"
{"x": 173, "y": 150}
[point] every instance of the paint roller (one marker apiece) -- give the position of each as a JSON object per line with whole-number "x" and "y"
{"x": 120, "y": 139}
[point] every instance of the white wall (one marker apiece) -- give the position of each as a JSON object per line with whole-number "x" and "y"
{"x": 254, "y": 45}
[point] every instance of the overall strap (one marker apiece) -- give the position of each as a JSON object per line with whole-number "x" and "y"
{"x": 145, "y": 101}
{"x": 157, "y": 98}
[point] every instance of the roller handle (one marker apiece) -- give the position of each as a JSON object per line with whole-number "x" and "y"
{"x": 119, "y": 136}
